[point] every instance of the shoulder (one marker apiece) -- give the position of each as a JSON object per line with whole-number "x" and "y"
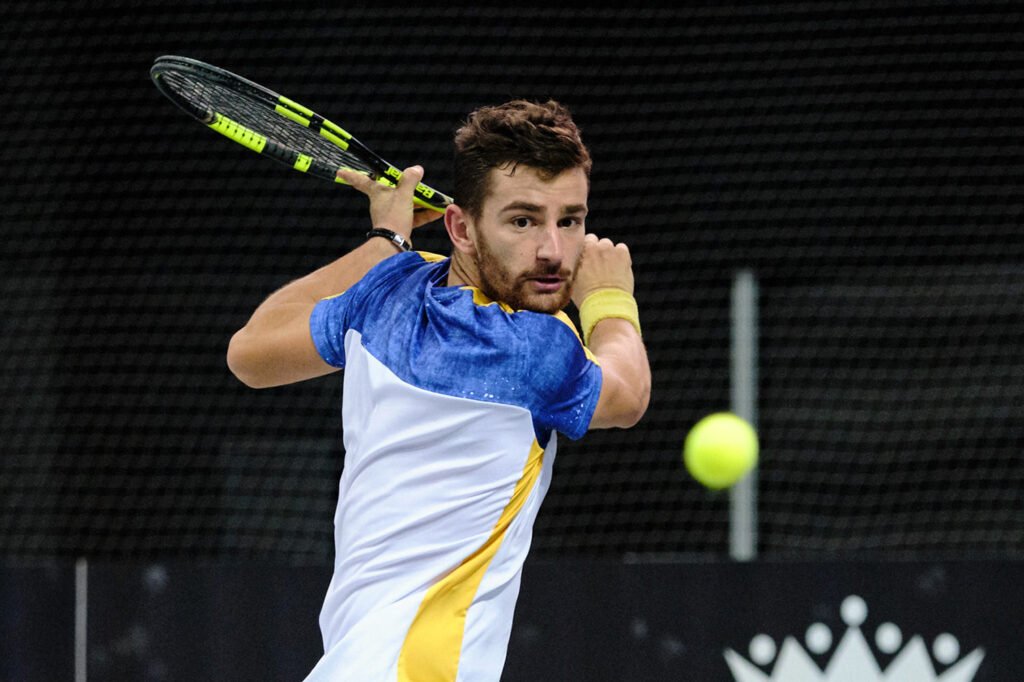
{"x": 553, "y": 355}
{"x": 563, "y": 375}
{"x": 404, "y": 263}
{"x": 389, "y": 287}
{"x": 392, "y": 273}
{"x": 552, "y": 333}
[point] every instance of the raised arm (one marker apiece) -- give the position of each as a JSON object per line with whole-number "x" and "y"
{"x": 605, "y": 277}
{"x": 275, "y": 346}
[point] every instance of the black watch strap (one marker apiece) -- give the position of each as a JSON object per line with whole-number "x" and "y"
{"x": 392, "y": 236}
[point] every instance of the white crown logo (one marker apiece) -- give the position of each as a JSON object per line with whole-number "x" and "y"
{"x": 852, "y": 660}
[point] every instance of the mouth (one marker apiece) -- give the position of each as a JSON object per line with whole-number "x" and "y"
{"x": 547, "y": 284}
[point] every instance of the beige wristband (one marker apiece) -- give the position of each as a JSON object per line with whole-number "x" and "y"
{"x": 604, "y": 303}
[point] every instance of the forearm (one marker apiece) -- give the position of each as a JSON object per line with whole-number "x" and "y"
{"x": 332, "y": 279}
{"x": 626, "y": 370}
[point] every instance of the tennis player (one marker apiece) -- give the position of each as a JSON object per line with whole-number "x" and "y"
{"x": 459, "y": 374}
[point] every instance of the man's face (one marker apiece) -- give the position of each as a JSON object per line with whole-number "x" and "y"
{"x": 529, "y": 237}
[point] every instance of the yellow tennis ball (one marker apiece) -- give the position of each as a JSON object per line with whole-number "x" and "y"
{"x": 720, "y": 450}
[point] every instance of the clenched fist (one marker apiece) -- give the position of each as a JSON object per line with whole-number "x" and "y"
{"x": 604, "y": 265}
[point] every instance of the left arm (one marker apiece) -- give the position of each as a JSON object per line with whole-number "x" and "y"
{"x": 626, "y": 375}
{"x": 614, "y": 341}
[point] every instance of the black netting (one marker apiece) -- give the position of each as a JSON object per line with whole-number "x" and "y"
{"x": 863, "y": 159}
{"x": 894, "y": 398}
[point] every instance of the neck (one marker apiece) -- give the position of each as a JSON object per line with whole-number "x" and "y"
{"x": 461, "y": 272}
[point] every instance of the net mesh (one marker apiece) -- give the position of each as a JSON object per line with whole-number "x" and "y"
{"x": 907, "y": 388}
{"x": 864, "y": 160}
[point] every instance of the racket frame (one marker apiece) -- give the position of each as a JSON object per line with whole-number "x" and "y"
{"x": 379, "y": 169}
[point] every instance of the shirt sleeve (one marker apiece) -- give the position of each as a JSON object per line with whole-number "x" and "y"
{"x": 328, "y": 324}
{"x": 565, "y": 377}
{"x": 332, "y": 317}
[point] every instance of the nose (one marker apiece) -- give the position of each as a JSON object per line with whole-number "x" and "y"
{"x": 549, "y": 246}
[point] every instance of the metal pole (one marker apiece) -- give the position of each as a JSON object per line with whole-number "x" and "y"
{"x": 81, "y": 617}
{"x": 743, "y": 398}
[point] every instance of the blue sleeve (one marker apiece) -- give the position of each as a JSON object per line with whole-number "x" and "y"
{"x": 565, "y": 378}
{"x": 372, "y": 295}
{"x": 328, "y": 324}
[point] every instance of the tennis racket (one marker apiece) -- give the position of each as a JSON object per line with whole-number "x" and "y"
{"x": 274, "y": 126}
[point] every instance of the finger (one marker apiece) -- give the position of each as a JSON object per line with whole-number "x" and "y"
{"x": 357, "y": 179}
{"x": 411, "y": 177}
{"x": 625, "y": 252}
{"x": 590, "y": 237}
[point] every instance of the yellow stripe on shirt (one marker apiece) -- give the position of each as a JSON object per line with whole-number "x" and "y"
{"x": 433, "y": 643}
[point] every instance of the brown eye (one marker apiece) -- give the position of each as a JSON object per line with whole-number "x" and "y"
{"x": 522, "y": 222}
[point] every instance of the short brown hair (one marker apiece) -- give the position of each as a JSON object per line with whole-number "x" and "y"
{"x": 542, "y": 136}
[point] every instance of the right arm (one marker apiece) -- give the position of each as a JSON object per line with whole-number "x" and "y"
{"x": 275, "y": 346}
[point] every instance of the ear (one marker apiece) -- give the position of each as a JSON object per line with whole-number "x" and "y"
{"x": 461, "y": 229}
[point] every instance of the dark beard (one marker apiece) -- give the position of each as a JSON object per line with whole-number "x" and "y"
{"x": 498, "y": 284}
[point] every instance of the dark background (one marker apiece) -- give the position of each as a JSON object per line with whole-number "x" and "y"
{"x": 862, "y": 159}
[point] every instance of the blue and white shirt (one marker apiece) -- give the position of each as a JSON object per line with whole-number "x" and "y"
{"x": 450, "y": 412}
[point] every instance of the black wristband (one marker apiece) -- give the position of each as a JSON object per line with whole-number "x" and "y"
{"x": 392, "y": 236}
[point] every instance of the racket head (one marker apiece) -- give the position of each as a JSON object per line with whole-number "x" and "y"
{"x": 272, "y": 125}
